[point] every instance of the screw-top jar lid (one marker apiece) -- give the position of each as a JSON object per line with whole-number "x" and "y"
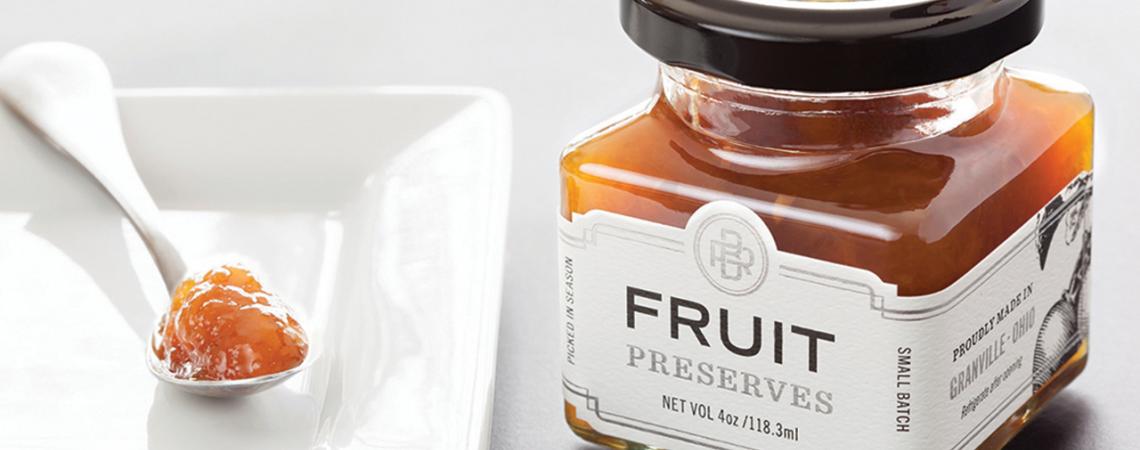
{"x": 832, "y": 46}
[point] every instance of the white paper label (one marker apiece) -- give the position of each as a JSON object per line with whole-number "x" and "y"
{"x": 709, "y": 336}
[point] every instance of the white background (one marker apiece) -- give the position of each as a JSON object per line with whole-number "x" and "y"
{"x": 565, "y": 65}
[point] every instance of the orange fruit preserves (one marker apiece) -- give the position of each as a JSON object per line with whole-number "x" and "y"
{"x": 222, "y": 325}
{"x": 938, "y": 205}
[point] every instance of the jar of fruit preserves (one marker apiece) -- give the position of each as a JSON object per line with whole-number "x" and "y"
{"x": 838, "y": 224}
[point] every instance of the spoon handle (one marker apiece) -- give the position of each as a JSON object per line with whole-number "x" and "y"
{"x": 64, "y": 93}
{"x": 120, "y": 179}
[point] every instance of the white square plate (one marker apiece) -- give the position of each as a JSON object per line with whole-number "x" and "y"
{"x": 378, "y": 214}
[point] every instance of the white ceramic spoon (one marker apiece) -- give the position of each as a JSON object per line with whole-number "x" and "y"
{"x": 64, "y": 93}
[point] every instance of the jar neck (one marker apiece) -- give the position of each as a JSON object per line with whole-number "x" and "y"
{"x": 791, "y": 120}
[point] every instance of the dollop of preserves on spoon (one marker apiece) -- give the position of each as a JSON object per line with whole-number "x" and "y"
{"x": 222, "y": 325}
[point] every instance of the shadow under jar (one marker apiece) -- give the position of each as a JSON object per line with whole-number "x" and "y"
{"x": 869, "y": 234}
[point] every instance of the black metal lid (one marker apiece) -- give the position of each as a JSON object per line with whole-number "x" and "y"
{"x": 832, "y": 46}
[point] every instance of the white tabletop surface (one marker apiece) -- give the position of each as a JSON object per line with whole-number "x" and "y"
{"x": 565, "y": 65}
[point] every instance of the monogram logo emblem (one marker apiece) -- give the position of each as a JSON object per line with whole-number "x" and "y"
{"x": 731, "y": 254}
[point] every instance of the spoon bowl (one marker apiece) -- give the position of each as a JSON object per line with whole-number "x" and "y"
{"x": 222, "y": 388}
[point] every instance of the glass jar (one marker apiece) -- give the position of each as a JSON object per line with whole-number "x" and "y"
{"x": 868, "y": 234}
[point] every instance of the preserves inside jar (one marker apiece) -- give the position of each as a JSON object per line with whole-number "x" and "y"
{"x": 222, "y": 325}
{"x": 919, "y": 213}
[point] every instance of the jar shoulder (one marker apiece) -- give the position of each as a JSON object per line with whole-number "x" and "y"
{"x": 1047, "y": 121}
{"x": 897, "y": 210}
